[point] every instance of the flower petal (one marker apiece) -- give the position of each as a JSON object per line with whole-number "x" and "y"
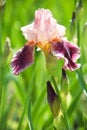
{"x": 72, "y": 65}
{"x": 68, "y": 51}
{"x": 60, "y": 30}
{"x": 23, "y": 58}
{"x": 74, "y": 51}
{"x": 44, "y": 24}
{"x": 44, "y": 28}
{"x": 29, "y": 32}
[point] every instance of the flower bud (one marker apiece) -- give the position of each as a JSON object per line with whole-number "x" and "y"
{"x": 2, "y": 2}
{"x": 85, "y": 121}
{"x": 73, "y": 24}
{"x": 7, "y": 48}
{"x": 2, "y": 5}
{"x": 85, "y": 29}
{"x": 53, "y": 100}
{"x": 79, "y": 10}
{"x": 64, "y": 82}
{"x": 83, "y": 48}
{"x": 59, "y": 122}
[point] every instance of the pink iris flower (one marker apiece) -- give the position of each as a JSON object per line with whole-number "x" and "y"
{"x": 48, "y": 35}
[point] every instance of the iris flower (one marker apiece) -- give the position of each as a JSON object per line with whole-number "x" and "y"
{"x": 46, "y": 34}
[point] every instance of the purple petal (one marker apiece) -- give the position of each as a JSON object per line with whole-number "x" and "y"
{"x": 68, "y": 51}
{"x": 23, "y": 58}
{"x": 74, "y": 50}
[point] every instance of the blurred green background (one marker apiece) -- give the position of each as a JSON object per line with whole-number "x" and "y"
{"x": 15, "y": 91}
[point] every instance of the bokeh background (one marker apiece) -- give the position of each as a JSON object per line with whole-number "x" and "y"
{"x": 15, "y": 91}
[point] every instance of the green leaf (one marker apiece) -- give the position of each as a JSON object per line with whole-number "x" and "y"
{"x": 85, "y": 121}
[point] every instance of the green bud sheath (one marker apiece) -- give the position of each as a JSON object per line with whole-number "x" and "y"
{"x": 64, "y": 82}
{"x": 7, "y": 48}
{"x": 54, "y": 66}
{"x": 73, "y": 24}
{"x": 79, "y": 10}
{"x": 53, "y": 100}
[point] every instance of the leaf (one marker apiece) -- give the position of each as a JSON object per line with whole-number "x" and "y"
{"x": 85, "y": 121}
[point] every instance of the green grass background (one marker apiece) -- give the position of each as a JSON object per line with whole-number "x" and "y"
{"x": 15, "y": 91}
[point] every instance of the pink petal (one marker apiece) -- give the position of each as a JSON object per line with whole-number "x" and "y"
{"x": 68, "y": 51}
{"x": 44, "y": 28}
{"x": 44, "y": 24}
{"x": 23, "y": 59}
{"x": 29, "y": 32}
{"x": 60, "y": 30}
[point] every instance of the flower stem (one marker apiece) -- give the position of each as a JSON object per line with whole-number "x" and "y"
{"x": 27, "y": 103}
{"x": 0, "y": 36}
{"x": 80, "y": 72}
{"x": 78, "y": 33}
{"x": 61, "y": 103}
{"x": 2, "y": 72}
{"x": 29, "y": 116}
{"x": 2, "y": 7}
{"x": 0, "y": 42}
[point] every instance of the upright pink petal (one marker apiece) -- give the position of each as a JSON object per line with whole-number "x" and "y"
{"x": 29, "y": 32}
{"x": 44, "y": 28}
{"x": 60, "y": 30}
{"x": 23, "y": 59}
{"x": 68, "y": 51}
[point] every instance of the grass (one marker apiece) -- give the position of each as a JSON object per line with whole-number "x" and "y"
{"x": 23, "y": 98}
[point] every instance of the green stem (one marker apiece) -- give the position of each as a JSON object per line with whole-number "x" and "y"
{"x": 78, "y": 33}
{"x": 80, "y": 72}
{"x": 0, "y": 33}
{"x": 61, "y": 103}
{"x": 73, "y": 104}
{"x": 22, "y": 116}
{"x": 28, "y": 97}
{"x": 1, "y": 60}
{"x": 2, "y": 7}
{"x": 81, "y": 80}
{"x": 0, "y": 57}
{"x": 30, "y": 117}
{"x": 25, "y": 109}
